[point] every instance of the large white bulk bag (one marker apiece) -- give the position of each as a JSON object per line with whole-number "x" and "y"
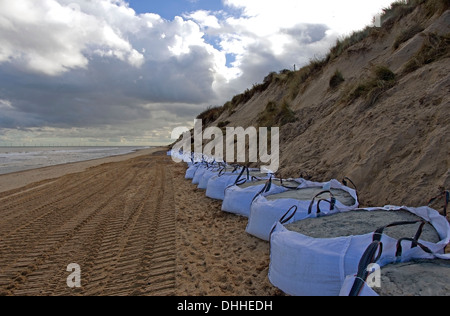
{"x": 208, "y": 174}
{"x": 267, "y": 209}
{"x": 303, "y": 265}
{"x": 199, "y": 173}
{"x": 179, "y": 155}
{"x": 238, "y": 198}
{"x": 218, "y": 183}
{"x": 190, "y": 172}
{"x": 205, "y": 164}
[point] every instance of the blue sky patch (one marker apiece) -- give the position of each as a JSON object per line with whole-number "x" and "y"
{"x": 168, "y": 9}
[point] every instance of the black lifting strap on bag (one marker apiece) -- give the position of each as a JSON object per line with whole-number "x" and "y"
{"x": 446, "y": 196}
{"x": 222, "y": 171}
{"x": 237, "y": 182}
{"x": 286, "y": 218}
{"x": 332, "y": 202}
{"x": 265, "y": 189}
{"x": 235, "y": 168}
{"x": 379, "y": 232}
{"x": 344, "y": 182}
{"x": 369, "y": 257}
{"x": 414, "y": 243}
{"x": 329, "y": 202}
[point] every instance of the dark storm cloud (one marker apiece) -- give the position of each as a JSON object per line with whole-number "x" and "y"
{"x": 107, "y": 92}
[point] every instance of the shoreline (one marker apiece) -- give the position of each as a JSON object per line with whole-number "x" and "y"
{"x": 19, "y": 179}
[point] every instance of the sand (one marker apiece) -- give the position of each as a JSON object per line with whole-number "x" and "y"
{"x": 407, "y": 279}
{"x": 307, "y": 194}
{"x": 286, "y": 183}
{"x": 20, "y": 179}
{"x": 133, "y": 224}
{"x": 216, "y": 256}
{"x": 363, "y": 222}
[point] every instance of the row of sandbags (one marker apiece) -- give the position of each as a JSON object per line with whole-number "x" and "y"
{"x": 321, "y": 242}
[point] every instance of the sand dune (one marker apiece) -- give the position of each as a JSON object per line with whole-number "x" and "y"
{"x": 393, "y": 143}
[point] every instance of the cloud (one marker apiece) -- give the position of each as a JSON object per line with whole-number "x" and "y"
{"x": 99, "y": 64}
{"x": 205, "y": 19}
{"x": 342, "y": 16}
{"x": 52, "y": 38}
{"x": 97, "y": 70}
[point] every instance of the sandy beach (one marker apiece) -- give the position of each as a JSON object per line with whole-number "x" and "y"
{"x": 132, "y": 224}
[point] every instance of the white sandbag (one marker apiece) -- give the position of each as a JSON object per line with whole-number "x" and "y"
{"x": 179, "y": 155}
{"x": 303, "y": 265}
{"x": 199, "y": 174}
{"x": 190, "y": 172}
{"x": 219, "y": 183}
{"x": 267, "y": 209}
{"x": 208, "y": 174}
{"x": 238, "y": 198}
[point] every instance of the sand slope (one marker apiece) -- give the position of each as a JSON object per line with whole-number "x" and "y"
{"x": 396, "y": 148}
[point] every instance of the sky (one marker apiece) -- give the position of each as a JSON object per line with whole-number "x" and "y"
{"x": 118, "y": 72}
{"x": 170, "y": 8}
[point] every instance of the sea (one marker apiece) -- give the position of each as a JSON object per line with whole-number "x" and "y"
{"x": 14, "y": 159}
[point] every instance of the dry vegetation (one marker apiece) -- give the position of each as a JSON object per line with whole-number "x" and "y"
{"x": 371, "y": 89}
{"x": 276, "y": 115}
{"x": 434, "y": 48}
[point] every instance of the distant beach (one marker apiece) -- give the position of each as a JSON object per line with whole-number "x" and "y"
{"x": 15, "y": 159}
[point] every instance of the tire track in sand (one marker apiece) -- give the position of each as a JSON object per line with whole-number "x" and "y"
{"x": 62, "y": 229}
{"x": 51, "y": 224}
{"x": 144, "y": 261}
{"x": 116, "y": 221}
{"x": 21, "y": 208}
